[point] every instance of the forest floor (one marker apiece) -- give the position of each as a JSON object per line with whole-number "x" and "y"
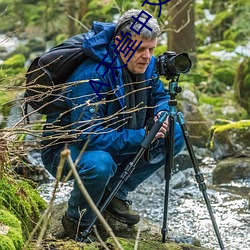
{"x": 149, "y": 238}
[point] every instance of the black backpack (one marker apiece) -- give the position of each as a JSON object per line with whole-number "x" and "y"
{"x": 48, "y": 73}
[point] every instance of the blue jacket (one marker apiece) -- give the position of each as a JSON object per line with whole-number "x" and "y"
{"x": 105, "y": 132}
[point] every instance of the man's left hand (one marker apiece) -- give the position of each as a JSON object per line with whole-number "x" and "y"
{"x": 164, "y": 128}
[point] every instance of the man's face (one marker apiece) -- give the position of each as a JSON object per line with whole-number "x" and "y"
{"x": 138, "y": 63}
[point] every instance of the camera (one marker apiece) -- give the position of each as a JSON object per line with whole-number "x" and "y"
{"x": 171, "y": 65}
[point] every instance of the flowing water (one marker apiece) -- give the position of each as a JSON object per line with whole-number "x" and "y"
{"x": 187, "y": 212}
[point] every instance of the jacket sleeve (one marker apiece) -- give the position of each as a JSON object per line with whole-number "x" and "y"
{"x": 88, "y": 120}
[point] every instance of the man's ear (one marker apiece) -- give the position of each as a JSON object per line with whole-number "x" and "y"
{"x": 117, "y": 39}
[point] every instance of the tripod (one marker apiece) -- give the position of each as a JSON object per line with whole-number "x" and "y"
{"x": 173, "y": 90}
{"x": 169, "y": 163}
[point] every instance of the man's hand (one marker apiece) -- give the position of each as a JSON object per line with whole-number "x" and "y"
{"x": 164, "y": 128}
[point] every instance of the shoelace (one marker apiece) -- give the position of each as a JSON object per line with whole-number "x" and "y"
{"x": 127, "y": 203}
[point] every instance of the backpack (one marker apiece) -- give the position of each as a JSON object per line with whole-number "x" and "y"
{"x": 48, "y": 73}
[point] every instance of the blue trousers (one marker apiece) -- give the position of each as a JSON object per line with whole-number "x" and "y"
{"x": 100, "y": 170}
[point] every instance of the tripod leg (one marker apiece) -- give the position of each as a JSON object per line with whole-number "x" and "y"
{"x": 199, "y": 177}
{"x": 168, "y": 173}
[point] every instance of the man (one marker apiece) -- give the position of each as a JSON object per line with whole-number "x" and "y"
{"x": 110, "y": 122}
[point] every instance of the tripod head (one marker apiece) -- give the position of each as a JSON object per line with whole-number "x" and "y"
{"x": 174, "y": 89}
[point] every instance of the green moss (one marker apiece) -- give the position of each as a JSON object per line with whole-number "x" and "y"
{"x": 224, "y": 75}
{"x": 14, "y": 234}
{"x": 128, "y": 244}
{"x": 235, "y": 125}
{"x": 16, "y": 61}
{"x": 212, "y": 100}
{"x": 22, "y": 200}
{"x": 16, "y": 237}
{"x": 9, "y": 219}
{"x": 6, "y": 243}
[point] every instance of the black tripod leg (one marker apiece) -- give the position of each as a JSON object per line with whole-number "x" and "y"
{"x": 168, "y": 173}
{"x": 199, "y": 177}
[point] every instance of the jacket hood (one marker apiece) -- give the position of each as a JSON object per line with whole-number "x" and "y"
{"x": 97, "y": 42}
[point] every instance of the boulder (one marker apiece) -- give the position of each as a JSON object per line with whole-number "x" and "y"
{"x": 231, "y": 169}
{"x": 231, "y": 139}
{"x": 150, "y": 235}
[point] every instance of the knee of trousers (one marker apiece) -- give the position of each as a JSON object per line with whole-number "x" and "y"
{"x": 179, "y": 142}
{"x": 97, "y": 165}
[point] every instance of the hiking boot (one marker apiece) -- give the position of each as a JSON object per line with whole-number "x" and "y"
{"x": 75, "y": 231}
{"x": 121, "y": 211}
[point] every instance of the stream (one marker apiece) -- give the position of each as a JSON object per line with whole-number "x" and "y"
{"x": 187, "y": 212}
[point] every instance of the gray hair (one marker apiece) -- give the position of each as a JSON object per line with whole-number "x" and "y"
{"x": 126, "y": 21}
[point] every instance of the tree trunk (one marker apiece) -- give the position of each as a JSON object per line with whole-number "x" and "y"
{"x": 181, "y": 37}
{"x": 72, "y": 13}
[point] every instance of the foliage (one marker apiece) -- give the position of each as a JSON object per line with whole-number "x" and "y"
{"x": 229, "y": 22}
{"x": 13, "y": 238}
{"x": 22, "y": 200}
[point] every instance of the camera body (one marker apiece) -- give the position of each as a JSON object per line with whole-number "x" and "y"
{"x": 171, "y": 65}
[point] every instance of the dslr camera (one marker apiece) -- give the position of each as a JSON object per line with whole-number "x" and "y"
{"x": 171, "y": 65}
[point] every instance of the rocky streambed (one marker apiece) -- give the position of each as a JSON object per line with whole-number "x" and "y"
{"x": 188, "y": 215}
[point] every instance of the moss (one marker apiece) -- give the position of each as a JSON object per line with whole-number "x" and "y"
{"x": 236, "y": 125}
{"x": 6, "y": 243}
{"x": 17, "y": 61}
{"x": 215, "y": 101}
{"x": 10, "y": 220}
{"x": 13, "y": 239}
{"x": 224, "y": 75}
{"x": 22, "y": 200}
{"x": 16, "y": 237}
{"x": 128, "y": 244}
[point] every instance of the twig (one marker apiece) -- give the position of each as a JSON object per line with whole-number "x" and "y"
{"x": 66, "y": 154}
{"x": 137, "y": 236}
{"x": 45, "y": 217}
{"x": 99, "y": 238}
{"x": 77, "y": 21}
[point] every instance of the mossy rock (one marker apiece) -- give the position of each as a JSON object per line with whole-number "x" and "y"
{"x": 232, "y": 139}
{"x": 128, "y": 244}
{"x": 10, "y": 231}
{"x": 231, "y": 169}
{"x": 22, "y": 200}
{"x": 219, "y": 107}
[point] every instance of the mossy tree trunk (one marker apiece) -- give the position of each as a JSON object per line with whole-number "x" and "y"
{"x": 242, "y": 84}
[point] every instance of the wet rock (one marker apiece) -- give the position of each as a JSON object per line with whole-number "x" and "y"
{"x": 181, "y": 179}
{"x": 231, "y": 169}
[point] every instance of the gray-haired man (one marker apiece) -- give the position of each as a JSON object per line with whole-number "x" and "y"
{"x": 121, "y": 57}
